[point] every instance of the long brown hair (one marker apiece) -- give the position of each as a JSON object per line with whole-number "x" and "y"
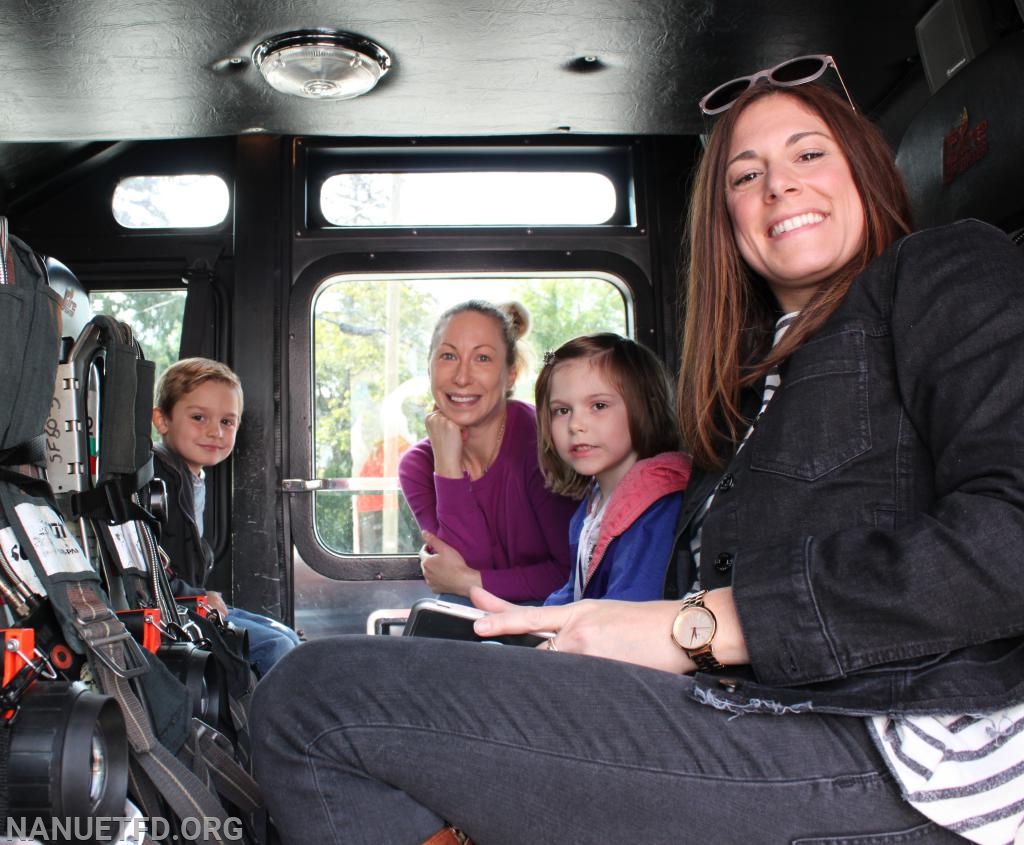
{"x": 730, "y": 311}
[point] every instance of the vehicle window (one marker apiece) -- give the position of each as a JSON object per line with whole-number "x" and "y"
{"x": 371, "y": 391}
{"x": 154, "y": 315}
{"x": 486, "y": 198}
{"x": 171, "y": 202}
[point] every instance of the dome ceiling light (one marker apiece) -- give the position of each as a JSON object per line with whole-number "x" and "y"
{"x": 321, "y": 64}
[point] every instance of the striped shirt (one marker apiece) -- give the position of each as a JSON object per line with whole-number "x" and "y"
{"x": 965, "y": 773}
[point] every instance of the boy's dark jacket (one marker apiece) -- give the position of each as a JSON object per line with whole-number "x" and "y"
{"x": 191, "y": 559}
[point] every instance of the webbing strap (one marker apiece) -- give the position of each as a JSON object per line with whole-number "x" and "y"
{"x": 119, "y": 392}
{"x": 186, "y": 795}
{"x": 238, "y": 673}
{"x": 117, "y": 658}
{"x": 111, "y": 500}
{"x": 131, "y": 558}
{"x": 145, "y": 375}
{"x": 18, "y": 460}
{"x": 200, "y": 304}
{"x": 29, "y": 344}
{"x": 30, "y": 452}
{"x": 28, "y": 484}
{"x": 239, "y": 710}
{"x": 56, "y": 587}
{"x": 104, "y": 634}
{"x": 211, "y": 763}
{"x": 142, "y": 790}
{"x": 229, "y": 778}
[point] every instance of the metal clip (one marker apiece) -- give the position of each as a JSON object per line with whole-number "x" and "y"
{"x": 128, "y": 661}
{"x": 20, "y": 670}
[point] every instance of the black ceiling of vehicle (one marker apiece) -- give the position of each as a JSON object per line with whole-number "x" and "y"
{"x": 141, "y": 69}
{"x": 81, "y": 74}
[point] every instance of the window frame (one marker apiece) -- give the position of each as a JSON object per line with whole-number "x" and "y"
{"x": 631, "y": 252}
{"x": 351, "y": 484}
{"x": 205, "y": 227}
{"x": 353, "y": 567}
{"x": 320, "y": 159}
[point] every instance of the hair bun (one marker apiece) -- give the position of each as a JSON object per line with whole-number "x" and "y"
{"x": 519, "y": 316}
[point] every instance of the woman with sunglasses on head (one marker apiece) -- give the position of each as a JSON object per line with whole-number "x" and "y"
{"x": 840, "y": 655}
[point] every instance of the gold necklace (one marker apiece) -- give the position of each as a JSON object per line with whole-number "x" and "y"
{"x": 494, "y": 452}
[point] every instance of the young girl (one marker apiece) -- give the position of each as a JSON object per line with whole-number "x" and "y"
{"x": 607, "y": 435}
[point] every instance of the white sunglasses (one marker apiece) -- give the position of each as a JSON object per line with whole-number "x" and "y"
{"x": 798, "y": 71}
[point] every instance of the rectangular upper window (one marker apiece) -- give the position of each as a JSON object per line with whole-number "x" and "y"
{"x": 186, "y": 201}
{"x": 481, "y": 198}
{"x": 526, "y": 186}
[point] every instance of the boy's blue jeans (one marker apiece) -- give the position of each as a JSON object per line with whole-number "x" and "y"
{"x": 378, "y": 739}
{"x": 269, "y": 640}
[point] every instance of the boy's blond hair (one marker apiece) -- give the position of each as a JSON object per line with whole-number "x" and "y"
{"x": 186, "y": 375}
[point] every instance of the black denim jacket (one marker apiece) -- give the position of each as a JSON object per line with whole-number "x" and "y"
{"x": 872, "y": 527}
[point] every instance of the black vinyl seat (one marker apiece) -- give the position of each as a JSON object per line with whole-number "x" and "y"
{"x": 961, "y": 154}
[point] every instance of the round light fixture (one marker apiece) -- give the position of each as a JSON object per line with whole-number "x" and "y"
{"x": 321, "y": 64}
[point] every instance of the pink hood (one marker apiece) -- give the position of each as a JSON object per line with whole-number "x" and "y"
{"x": 646, "y": 482}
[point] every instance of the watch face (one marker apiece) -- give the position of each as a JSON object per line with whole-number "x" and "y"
{"x": 693, "y": 627}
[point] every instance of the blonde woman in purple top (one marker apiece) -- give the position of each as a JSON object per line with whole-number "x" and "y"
{"x": 474, "y": 484}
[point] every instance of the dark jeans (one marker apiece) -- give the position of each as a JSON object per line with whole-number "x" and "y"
{"x": 269, "y": 640}
{"x": 377, "y": 739}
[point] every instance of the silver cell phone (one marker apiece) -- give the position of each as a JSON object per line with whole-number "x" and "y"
{"x": 446, "y": 621}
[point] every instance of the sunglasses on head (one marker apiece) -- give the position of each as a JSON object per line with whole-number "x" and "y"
{"x": 798, "y": 71}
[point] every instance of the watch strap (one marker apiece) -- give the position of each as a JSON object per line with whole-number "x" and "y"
{"x": 703, "y": 656}
{"x": 705, "y": 659}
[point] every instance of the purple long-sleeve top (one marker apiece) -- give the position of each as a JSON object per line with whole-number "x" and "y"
{"x": 505, "y": 524}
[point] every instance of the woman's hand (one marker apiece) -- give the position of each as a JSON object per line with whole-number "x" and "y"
{"x": 446, "y": 440}
{"x": 444, "y": 569}
{"x": 634, "y": 632}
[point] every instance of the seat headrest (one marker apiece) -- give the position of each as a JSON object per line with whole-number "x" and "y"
{"x": 75, "y": 309}
{"x": 961, "y": 154}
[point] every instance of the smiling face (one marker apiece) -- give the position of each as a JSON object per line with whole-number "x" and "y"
{"x": 796, "y": 213}
{"x": 469, "y": 376}
{"x": 590, "y": 423}
{"x": 202, "y": 424}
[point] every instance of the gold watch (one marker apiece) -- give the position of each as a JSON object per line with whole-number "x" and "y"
{"x": 693, "y": 630}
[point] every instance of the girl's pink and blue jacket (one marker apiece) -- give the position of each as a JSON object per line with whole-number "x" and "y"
{"x": 637, "y": 533}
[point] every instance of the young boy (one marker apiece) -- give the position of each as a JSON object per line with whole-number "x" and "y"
{"x": 198, "y": 410}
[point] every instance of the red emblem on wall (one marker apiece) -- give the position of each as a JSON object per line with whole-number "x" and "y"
{"x": 962, "y": 147}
